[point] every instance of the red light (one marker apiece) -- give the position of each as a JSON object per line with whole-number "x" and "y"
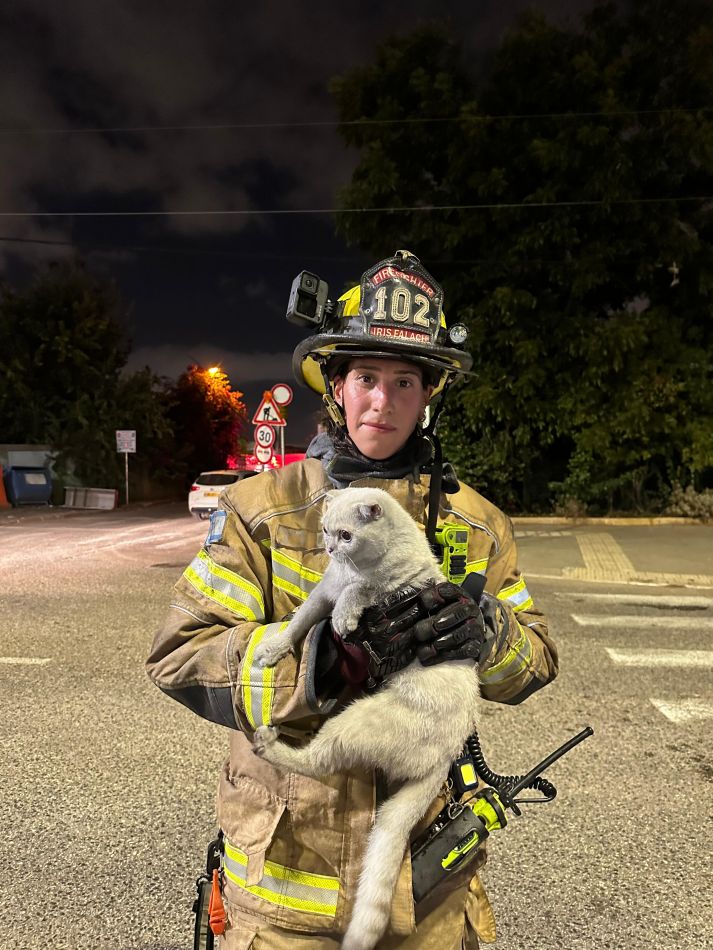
{"x": 195, "y": 487}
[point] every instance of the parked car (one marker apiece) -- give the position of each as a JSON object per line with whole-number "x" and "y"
{"x": 206, "y": 489}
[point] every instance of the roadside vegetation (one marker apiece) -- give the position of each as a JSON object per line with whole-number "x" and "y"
{"x": 561, "y": 192}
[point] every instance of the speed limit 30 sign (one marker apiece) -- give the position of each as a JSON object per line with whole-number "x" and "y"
{"x": 264, "y": 435}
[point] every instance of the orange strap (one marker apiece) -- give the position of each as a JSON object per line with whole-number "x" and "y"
{"x": 216, "y": 910}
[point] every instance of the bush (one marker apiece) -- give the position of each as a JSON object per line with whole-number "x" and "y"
{"x": 690, "y": 503}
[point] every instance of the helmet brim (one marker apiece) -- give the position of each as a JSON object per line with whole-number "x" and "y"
{"x": 308, "y": 355}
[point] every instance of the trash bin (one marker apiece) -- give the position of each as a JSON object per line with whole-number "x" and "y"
{"x": 28, "y": 485}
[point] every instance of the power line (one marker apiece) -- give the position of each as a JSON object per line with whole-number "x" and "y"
{"x": 333, "y": 123}
{"x": 522, "y": 205}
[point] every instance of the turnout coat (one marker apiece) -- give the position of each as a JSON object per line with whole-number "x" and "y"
{"x": 293, "y": 844}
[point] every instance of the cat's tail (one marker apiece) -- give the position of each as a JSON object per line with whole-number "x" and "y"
{"x": 383, "y": 858}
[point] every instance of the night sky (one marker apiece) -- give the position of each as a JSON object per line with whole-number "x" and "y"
{"x": 104, "y": 108}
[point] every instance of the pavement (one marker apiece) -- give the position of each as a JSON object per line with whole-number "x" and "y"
{"x": 669, "y": 552}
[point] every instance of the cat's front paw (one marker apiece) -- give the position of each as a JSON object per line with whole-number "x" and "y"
{"x": 345, "y": 622}
{"x": 263, "y": 738}
{"x": 268, "y": 652}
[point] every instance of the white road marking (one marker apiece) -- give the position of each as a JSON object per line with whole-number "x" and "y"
{"x": 646, "y": 600}
{"x": 177, "y": 544}
{"x": 685, "y": 710}
{"x": 118, "y": 533}
{"x": 620, "y": 620}
{"x": 659, "y": 658}
{"x": 122, "y": 533}
{"x": 23, "y": 660}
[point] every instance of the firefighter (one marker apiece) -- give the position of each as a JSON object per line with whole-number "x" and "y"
{"x": 293, "y": 845}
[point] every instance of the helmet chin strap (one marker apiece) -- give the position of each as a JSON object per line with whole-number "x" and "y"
{"x": 434, "y": 490}
{"x": 333, "y": 409}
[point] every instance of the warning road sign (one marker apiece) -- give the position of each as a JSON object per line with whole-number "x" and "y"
{"x": 268, "y": 412}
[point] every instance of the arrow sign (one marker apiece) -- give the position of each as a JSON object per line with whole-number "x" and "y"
{"x": 268, "y": 412}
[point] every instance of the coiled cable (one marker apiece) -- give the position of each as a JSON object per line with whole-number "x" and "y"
{"x": 504, "y": 783}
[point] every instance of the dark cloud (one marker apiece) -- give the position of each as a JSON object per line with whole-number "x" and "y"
{"x": 208, "y": 285}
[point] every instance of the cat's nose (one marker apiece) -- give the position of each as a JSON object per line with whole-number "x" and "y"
{"x": 329, "y": 549}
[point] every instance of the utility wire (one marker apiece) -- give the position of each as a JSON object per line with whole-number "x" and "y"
{"x": 383, "y": 210}
{"x": 333, "y": 123}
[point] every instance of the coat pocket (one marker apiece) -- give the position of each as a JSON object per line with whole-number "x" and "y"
{"x": 249, "y": 815}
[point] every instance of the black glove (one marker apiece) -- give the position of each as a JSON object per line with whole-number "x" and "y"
{"x": 435, "y": 623}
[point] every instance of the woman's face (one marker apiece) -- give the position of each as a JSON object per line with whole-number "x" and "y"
{"x": 382, "y": 400}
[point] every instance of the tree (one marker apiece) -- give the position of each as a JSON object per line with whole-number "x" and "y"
{"x": 63, "y": 349}
{"x": 209, "y": 418}
{"x": 585, "y": 273}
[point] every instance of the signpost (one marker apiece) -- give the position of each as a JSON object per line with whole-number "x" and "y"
{"x": 282, "y": 395}
{"x": 126, "y": 442}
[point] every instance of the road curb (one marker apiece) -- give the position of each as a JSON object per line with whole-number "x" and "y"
{"x": 644, "y": 522}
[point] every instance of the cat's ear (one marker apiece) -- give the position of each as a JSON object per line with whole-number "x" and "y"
{"x": 369, "y": 512}
{"x": 329, "y": 497}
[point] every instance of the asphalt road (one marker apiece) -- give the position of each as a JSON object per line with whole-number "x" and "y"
{"x": 107, "y": 787}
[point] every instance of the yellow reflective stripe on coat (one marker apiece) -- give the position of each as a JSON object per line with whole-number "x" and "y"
{"x": 225, "y": 587}
{"x": 477, "y": 567}
{"x": 516, "y": 659}
{"x": 517, "y": 595}
{"x": 283, "y": 886}
{"x": 292, "y": 576}
{"x": 258, "y": 682}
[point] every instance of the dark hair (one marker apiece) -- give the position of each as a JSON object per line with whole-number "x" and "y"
{"x": 339, "y": 367}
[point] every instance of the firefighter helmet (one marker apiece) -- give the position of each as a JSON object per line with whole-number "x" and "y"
{"x": 395, "y": 311}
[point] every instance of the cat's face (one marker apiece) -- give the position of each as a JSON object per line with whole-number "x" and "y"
{"x": 353, "y": 530}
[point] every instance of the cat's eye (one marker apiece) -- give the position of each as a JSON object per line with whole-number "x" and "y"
{"x": 345, "y": 535}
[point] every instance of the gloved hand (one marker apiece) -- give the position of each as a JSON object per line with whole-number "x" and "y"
{"x": 434, "y": 623}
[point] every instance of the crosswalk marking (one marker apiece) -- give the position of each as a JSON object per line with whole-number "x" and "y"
{"x": 646, "y": 600}
{"x": 684, "y": 710}
{"x": 661, "y": 658}
{"x": 621, "y": 620}
{"x": 24, "y": 660}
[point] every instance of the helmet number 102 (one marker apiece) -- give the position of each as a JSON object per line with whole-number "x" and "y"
{"x": 401, "y": 305}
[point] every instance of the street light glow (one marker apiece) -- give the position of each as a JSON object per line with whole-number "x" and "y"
{"x": 213, "y": 370}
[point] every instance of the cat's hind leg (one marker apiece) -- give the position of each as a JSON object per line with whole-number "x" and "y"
{"x": 343, "y": 742}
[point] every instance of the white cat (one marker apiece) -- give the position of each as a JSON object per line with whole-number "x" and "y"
{"x": 413, "y": 727}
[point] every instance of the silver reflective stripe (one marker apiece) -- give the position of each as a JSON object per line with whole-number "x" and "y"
{"x": 258, "y": 682}
{"x": 517, "y": 595}
{"x": 291, "y": 576}
{"x": 283, "y": 886}
{"x": 225, "y": 587}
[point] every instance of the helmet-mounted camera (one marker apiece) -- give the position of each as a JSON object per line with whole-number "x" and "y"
{"x": 308, "y": 305}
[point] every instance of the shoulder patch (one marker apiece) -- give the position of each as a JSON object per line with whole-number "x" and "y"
{"x": 217, "y": 526}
